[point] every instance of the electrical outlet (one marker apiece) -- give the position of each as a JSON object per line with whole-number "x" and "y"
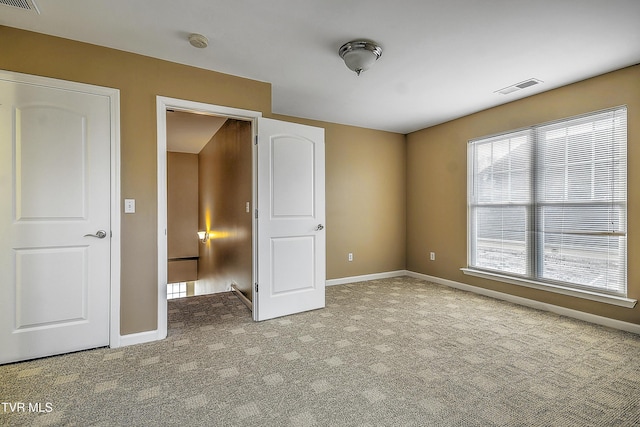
{"x": 350, "y": 257}
{"x": 432, "y": 256}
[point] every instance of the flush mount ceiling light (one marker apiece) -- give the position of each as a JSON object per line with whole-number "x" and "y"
{"x": 199, "y": 41}
{"x": 359, "y": 55}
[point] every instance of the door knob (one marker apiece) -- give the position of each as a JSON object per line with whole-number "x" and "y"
{"x": 100, "y": 234}
{"x": 319, "y": 227}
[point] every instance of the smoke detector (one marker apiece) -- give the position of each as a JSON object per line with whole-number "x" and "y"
{"x": 198, "y": 40}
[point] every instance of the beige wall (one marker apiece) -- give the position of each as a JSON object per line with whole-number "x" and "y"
{"x": 437, "y": 186}
{"x": 182, "y": 217}
{"x": 182, "y": 205}
{"x": 365, "y": 199}
{"x": 225, "y": 183}
{"x": 182, "y": 270}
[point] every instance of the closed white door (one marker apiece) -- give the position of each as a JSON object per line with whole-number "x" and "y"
{"x": 291, "y": 217}
{"x": 54, "y": 218}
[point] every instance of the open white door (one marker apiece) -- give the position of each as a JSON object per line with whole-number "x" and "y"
{"x": 55, "y": 219}
{"x": 291, "y": 216}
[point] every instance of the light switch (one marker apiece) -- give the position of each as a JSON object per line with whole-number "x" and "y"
{"x": 129, "y": 205}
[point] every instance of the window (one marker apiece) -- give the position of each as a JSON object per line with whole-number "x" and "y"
{"x": 176, "y": 290}
{"x": 547, "y": 204}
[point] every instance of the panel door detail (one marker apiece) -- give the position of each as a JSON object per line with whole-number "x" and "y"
{"x": 55, "y": 154}
{"x": 291, "y": 205}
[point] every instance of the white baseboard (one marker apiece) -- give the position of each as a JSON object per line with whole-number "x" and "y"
{"x": 587, "y": 317}
{"x": 139, "y": 338}
{"x": 366, "y": 277}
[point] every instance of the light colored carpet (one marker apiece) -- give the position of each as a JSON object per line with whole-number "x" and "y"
{"x": 394, "y": 352}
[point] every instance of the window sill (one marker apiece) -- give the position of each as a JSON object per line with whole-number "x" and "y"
{"x": 593, "y": 296}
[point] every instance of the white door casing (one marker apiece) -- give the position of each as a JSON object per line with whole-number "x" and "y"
{"x": 291, "y": 218}
{"x": 56, "y": 191}
{"x": 162, "y": 105}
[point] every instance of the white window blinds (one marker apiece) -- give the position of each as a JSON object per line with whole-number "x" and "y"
{"x": 500, "y": 202}
{"x": 548, "y": 203}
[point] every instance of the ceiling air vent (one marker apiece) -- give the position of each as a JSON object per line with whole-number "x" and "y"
{"x": 28, "y": 5}
{"x": 518, "y": 86}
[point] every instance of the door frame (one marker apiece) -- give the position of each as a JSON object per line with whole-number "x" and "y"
{"x": 115, "y": 219}
{"x": 162, "y": 104}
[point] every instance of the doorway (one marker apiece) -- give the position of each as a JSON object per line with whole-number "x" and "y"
{"x": 224, "y": 237}
{"x": 287, "y": 207}
{"x": 209, "y": 187}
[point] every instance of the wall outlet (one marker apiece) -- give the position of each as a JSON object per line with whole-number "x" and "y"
{"x": 350, "y": 257}
{"x": 432, "y": 256}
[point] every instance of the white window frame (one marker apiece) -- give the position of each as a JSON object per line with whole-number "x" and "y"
{"x": 534, "y": 251}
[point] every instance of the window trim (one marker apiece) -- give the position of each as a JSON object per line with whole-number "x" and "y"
{"x": 532, "y": 252}
{"x": 558, "y": 289}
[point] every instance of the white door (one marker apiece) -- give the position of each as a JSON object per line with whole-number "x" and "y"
{"x": 291, "y": 215}
{"x": 54, "y": 218}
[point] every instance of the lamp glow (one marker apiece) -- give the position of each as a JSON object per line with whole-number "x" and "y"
{"x": 203, "y": 236}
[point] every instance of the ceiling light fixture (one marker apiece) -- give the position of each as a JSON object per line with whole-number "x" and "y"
{"x": 199, "y": 41}
{"x": 359, "y": 55}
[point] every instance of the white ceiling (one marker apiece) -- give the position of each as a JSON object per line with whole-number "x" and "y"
{"x": 442, "y": 59}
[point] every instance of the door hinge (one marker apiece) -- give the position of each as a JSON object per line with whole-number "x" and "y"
{"x": 255, "y": 142}
{"x": 256, "y": 287}
{"x": 256, "y": 213}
